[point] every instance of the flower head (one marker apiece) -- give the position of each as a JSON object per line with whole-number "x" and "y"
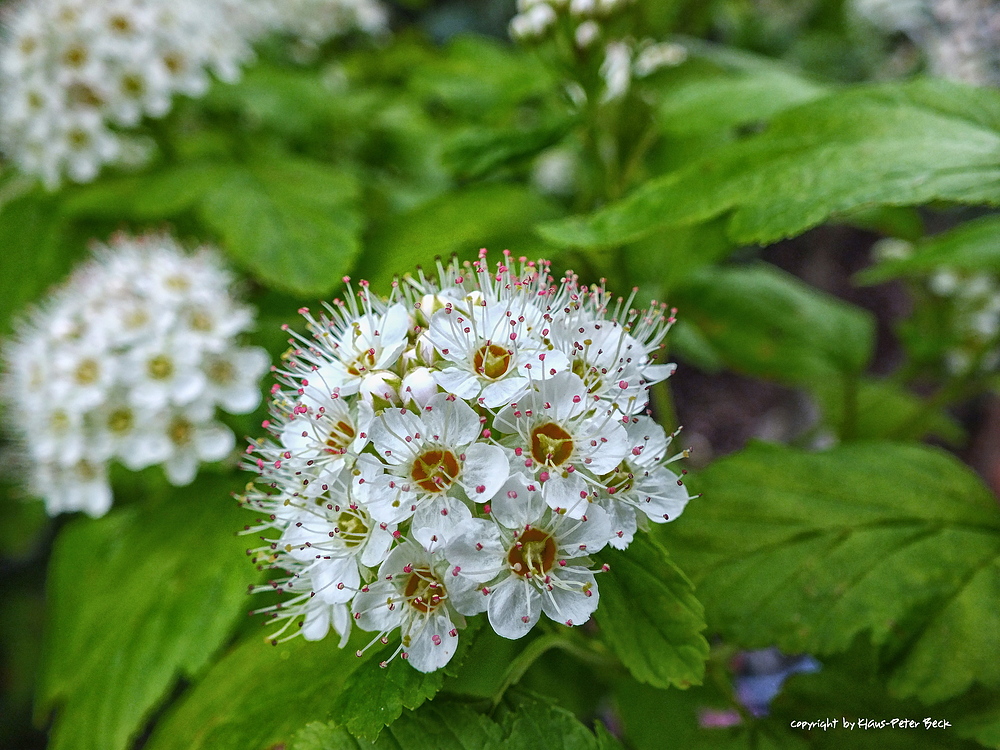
{"x": 463, "y": 446}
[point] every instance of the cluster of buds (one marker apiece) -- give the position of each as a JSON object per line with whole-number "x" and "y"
{"x": 537, "y": 19}
{"x": 463, "y": 446}
{"x": 72, "y": 73}
{"x": 128, "y": 361}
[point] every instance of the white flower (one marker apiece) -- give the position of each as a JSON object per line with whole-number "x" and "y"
{"x": 532, "y": 22}
{"x": 538, "y": 559}
{"x": 317, "y": 442}
{"x": 613, "y": 365}
{"x": 351, "y": 345}
{"x": 164, "y": 372}
{"x": 561, "y": 442}
{"x": 488, "y": 350}
{"x": 311, "y": 21}
{"x": 434, "y": 466}
{"x": 193, "y": 439}
{"x": 641, "y": 485}
{"x": 80, "y": 486}
{"x": 338, "y": 539}
{"x": 232, "y": 378}
{"x": 410, "y": 594}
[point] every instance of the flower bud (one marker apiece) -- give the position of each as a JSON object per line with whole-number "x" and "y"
{"x": 381, "y": 390}
{"x": 418, "y": 386}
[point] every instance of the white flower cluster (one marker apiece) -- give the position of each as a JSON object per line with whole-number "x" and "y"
{"x": 463, "y": 447}
{"x": 72, "y": 71}
{"x": 128, "y": 361}
{"x": 974, "y": 319}
{"x": 311, "y": 21}
{"x": 537, "y": 18}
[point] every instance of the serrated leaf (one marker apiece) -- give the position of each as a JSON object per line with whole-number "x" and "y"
{"x": 374, "y": 697}
{"x": 456, "y": 222}
{"x": 528, "y": 723}
{"x": 972, "y": 246}
{"x": 436, "y": 726}
{"x": 809, "y": 550}
{"x": 873, "y": 145}
{"x": 138, "y": 599}
{"x": 290, "y": 221}
{"x": 532, "y": 723}
{"x": 764, "y": 322}
{"x": 650, "y": 617}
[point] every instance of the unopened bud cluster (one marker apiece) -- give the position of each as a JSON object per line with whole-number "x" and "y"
{"x": 538, "y": 18}
{"x": 128, "y": 361}
{"x": 463, "y": 446}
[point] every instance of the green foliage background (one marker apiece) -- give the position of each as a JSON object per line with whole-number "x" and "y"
{"x": 858, "y": 542}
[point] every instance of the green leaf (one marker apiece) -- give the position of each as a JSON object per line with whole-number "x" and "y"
{"x": 875, "y": 145}
{"x": 723, "y": 102}
{"x": 374, "y": 697}
{"x": 138, "y": 599}
{"x": 437, "y": 726}
{"x": 765, "y": 322}
{"x": 457, "y": 222}
{"x": 809, "y": 550}
{"x": 526, "y": 724}
{"x": 649, "y": 616}
{"x": 178, "y": 188}
{"x": 480, "y": 77}
{"x": 884, "y": 410}
{"x": 663, "y": 262}
{"x": 531, "y": 723}
{"x": 291, "y": 222}
{"x": 258, "y": 695}
{"x": 476, "y": 152}
{"x": 32, "y": 242}
{"x": 973, "y": 246}
{"x": 161, "y": 194}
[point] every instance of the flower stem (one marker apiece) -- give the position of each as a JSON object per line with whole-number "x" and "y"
{"x": 522, "y": 663}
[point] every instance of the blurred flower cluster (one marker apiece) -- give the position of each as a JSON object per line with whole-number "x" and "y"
{"x": 71, "y": 71}
{"x": 128, "y": 361}
{"x": 75, "y": 76}
{"x": 312, "y": 21}
{"x": 974, "y": 307}
{"x": 462, "y": 447}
